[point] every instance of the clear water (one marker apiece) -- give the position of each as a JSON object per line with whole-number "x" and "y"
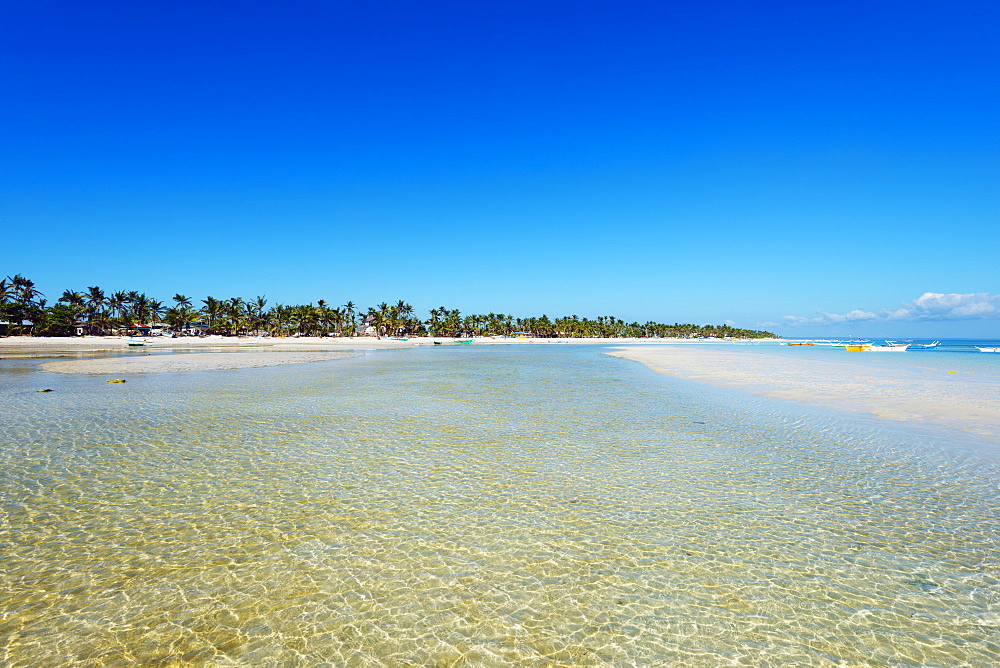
{"x": 480, "y": 506}
{"x": 952, "y": 355}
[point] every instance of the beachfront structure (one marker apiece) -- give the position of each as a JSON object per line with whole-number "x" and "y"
{"x": 194, "y": 329}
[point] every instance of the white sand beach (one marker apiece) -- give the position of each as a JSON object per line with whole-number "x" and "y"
{"x": 913, "y": 394}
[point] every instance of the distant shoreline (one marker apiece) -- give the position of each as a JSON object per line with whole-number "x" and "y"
{"x": 214, "y": 353}
{"x": 112, "y": 342}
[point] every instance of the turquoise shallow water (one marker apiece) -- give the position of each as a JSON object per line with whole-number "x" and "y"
{"x": 951, "y": 355}
{"x": 481, "y": 506}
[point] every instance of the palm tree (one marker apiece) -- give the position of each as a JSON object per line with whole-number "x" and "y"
{"x": 383, "y": 319}
{"x": 376, "y": 319}
{"x": 323, "y": 316}
{"x": 177, "y": 317}
{"x": 234, "y": 311}
{"x": 132, "y": 298}
{"x": 75, "y": 301}
{"x": 24, "y": 289}
{"x": 249, "y": 317}
{"x": 213, "y": 310}
{"x": 21, "y": 301}
{"x": 95, "y": 307}
{"x": 116, "y": 304}
{"x": 337, "y": 320}
{"x": 433, "y": 323}
{"x": 6, "y": 291}
{"x": 349, "y": 316}
{"x": 154, "y": 309}
{"x": 400, "y": 316}
{"x": 140, "y": 306}
{"x": 282, "y": 318}
{"x": 180, "y": 315}
{"x": 259, "y": 304}
{"x": 72, "y": 299}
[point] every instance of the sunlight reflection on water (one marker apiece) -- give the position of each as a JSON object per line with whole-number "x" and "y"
{"x": 479, "y": 506}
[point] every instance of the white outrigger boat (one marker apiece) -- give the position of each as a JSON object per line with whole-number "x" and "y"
{"x": 988, "y": 350}
{"x": 889, "y": 348}
{"x": 869, "y": 347}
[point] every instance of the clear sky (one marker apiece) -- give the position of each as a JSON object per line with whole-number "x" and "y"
{"x": 810, "y": 168}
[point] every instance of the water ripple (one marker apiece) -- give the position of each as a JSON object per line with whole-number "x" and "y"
{"x": 480, "y": 507}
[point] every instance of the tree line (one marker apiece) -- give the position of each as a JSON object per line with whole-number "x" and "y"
{"x": 25, "y": 311}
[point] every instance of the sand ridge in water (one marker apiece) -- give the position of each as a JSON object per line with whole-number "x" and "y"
{"x": 174, "y": 362}
{"x": 911, "y": 394}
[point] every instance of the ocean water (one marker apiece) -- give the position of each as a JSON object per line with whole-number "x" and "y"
{"x": 481, "y": 506}
{"x": 952, "y": 355}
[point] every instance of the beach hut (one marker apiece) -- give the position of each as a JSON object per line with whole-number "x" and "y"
{"x": 194, "y": 329}
{"x": 138, "y": 329}
{"x": 11, "y": 328}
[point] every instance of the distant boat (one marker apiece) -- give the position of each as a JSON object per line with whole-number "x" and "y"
{"x": 988, "y": 350}
{"x": 462, "y": 341}
{"x": 868, "y": 346}
{"x": 399, "y": 338}
{"x": 136, "y": 342}
{"x": 437, "y": 343}
{"x": 890, "y": 348}
{"x": 924, "y": 346}
{"x": 799, "y": 343}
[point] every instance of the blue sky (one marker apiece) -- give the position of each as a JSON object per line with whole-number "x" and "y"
{"x": 810, "y": 168}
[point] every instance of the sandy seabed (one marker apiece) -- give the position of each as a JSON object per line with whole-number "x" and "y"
{"x": 898, "y": 393}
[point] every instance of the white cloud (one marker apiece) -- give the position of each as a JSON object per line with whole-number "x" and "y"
{"x": 937, "y": 306}
{"x": 928, "y": 306}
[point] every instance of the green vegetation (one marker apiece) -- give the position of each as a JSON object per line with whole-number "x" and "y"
{"x": 94, "y": 312}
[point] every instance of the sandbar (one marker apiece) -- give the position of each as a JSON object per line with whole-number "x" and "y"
{"x": 201, "y": 361}
{"x": 112, "y": 354}
{"x": 971, "y": 404}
